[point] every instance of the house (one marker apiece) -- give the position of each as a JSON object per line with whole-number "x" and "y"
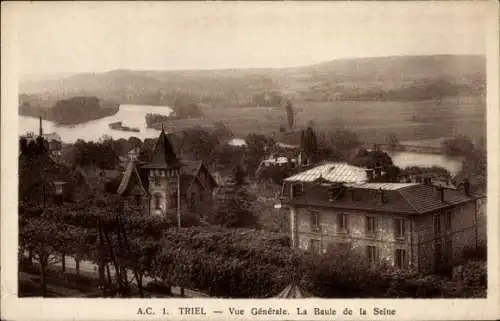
{"x": 400, "y": 224}
{"x": 155, "y": 187}
{"x": 42, "y": 181}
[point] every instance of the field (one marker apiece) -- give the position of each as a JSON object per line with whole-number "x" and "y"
{"x": 372, "y": 121}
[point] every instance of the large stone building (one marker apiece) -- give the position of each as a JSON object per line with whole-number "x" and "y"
{"x": 156, "y": 187}
{"x": 405, "y": 225}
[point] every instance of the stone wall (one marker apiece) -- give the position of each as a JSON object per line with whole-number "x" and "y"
{"x": 355, "y": 236}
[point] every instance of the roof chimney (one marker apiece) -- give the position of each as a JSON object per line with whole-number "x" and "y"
{"x": 466, "y": 187}
{"x": 369, "y": 175}
{"x": 41, "y": 129}
{"x": 440, "y": 193}
{"x": 382, "y": 196}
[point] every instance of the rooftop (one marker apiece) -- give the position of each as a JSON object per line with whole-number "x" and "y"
{"x": 396, "y": 198}
{"x": 332, "y": 172}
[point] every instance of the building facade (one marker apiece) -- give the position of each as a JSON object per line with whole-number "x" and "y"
{"x": 167, "y": 185}
{"x": 404, "y": 225}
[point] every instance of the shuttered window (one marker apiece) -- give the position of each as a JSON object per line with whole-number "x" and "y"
{"x": 399, "y": 228}
{"x": 370, "y": 225}
{"x": 400, "y": 258}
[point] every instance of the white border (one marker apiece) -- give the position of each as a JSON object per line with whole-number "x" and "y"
{"x": 14, "y": 308}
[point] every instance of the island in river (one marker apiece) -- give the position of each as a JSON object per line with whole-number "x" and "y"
{"x": 71, "y": 111}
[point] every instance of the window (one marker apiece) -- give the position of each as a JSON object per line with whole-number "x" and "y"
{"x": 297, "y": 190}
{"x": 157, "y": 199}
{"x": 400, "y": 228}
{"x": 192, "y": 200}
{"x": 342, "y": 222}
{"x": 315, "y": 226}
{"x": 370, "y": 225}
{"x": 448, "y": 216}
{"x": 372, "y": 255}
{"x": 438, "y": 254}
{"x": 138, "y": 200}
{"x": 315, "y": 246}
{"x": 400, "y": 258}
{"x": 437, "y": 224}
{"x": 156, "y": 180}
{"x": 448, "y": 249}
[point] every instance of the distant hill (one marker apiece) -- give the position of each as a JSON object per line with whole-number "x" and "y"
{"x": 399, "y": 78}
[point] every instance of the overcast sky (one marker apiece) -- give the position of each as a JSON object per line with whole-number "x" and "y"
{"x": 94, "y": 37}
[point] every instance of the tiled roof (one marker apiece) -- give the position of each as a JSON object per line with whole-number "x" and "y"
{"x": 397, "y": 199}
{"x": 384, "y": 186}
{"x": 163, "y": 154}
{"x": 129, "y": 173}
{"x": 333, "y": 172}
{"x": 190, "y": 167}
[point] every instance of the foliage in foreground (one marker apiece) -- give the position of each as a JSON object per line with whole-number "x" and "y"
{"x": 223, "y": 262}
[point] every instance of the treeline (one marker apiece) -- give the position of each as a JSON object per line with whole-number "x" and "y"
{"x": 437, "y": 89}
{"x": 72, "y": 111}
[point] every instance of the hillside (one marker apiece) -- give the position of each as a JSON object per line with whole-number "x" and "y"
{"x": 401, "y": 78}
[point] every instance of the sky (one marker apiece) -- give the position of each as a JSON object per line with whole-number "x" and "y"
{"x": 95, "y": 37}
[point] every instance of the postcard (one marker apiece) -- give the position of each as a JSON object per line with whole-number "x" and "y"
{"x": 250, "y": 160}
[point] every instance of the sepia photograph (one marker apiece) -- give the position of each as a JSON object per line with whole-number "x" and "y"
{"x": 249, "y": 151}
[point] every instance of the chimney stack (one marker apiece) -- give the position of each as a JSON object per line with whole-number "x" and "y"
{"x": 369, "y": 175}
{"x": 466, "y": 187}
{"x": 41, "y": 129}
{"x": 382, "y": 196}
{"x": 440, "y": 192}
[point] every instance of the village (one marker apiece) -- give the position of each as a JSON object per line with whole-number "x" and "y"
{"x": 187, "y": 214}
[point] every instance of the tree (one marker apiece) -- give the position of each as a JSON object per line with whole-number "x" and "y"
{"x": 377, "y": 159}
{"x": 392, "y": 140}
{"x": 221, "y": 131}
{"x": 343, "y": 140}
{"x": 258, "y": 146}
{"x": 458, "y": 146}
{"x": 309, "y": 142}
{"x": 135, "y": 142}
{"x": 235, "y": 207}
{"x": 290, "y": 114}
{"x": 198, "y": 143}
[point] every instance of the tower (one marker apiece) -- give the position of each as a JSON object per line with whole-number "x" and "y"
{"x": 163, "y": 174}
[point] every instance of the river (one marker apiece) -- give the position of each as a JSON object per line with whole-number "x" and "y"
{"x": 130, "y": 115}
{"x": 134, "y": 116}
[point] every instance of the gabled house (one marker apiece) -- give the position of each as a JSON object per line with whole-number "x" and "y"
{"x": 156, "y": 187}
{"x": 404, "y": 225}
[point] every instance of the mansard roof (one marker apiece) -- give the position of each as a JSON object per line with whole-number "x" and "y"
{"x": 395, "y": 198}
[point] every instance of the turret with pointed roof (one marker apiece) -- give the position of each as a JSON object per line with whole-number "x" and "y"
{"x": 164, "y": 156}
{"x": 154, "y": 187}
